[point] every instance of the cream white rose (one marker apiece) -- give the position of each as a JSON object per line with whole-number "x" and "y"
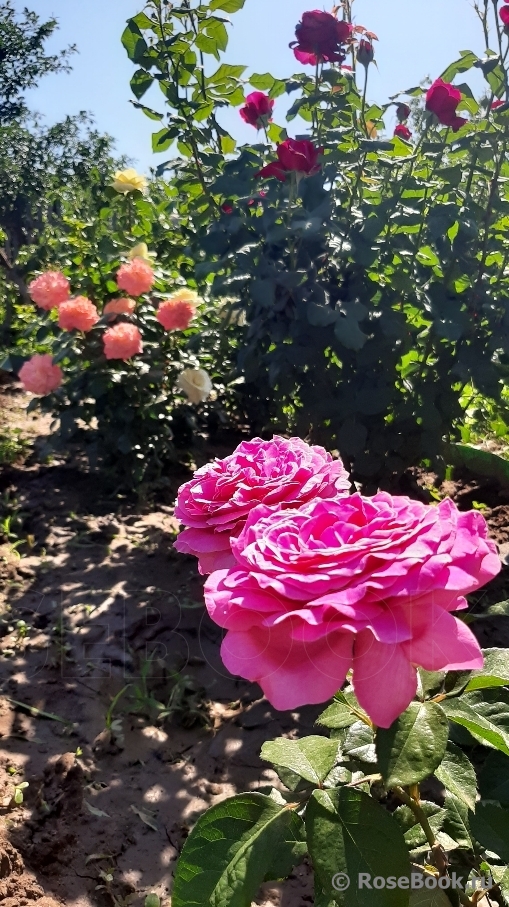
{"x": 129, "y": 180}
{"x": 196, "y": 384}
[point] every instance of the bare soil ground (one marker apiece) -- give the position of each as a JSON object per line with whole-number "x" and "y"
{"x": 114, "y": 705}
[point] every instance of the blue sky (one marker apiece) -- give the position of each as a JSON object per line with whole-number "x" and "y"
{"x": 416, "y": 39}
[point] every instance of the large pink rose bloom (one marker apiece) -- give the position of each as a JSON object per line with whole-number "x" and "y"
{"x": 362, "y": 583}
{"x": 279, "y": 473}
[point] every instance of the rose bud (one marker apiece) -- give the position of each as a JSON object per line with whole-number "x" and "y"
{"x": 365, "y": 53}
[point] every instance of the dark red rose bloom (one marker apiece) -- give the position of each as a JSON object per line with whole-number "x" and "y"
{"x": 227, "y": 208}
{"x": 442, "y": 99}
{"x": 320, "y": 38}
{"x": 403, "y": 132}
{"x": 294, "y": 156}
{"x": 365, "y": 52}
{"x": 403, "y": 111}
{"x": 497, "y": 104}
{"x": 504, "y": 15}
{"x": 258, "y": 109}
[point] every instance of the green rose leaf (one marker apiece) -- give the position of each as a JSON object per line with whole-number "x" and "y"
{"x": 495, "y": 672}
{"x": 134, "y": 42}
{"x": 233, "y": 848}
{"x": 494, "y": 778}
{"x": 456, "y": 821}
{"x": 311, "y": 758}
{"x": 458, "y": 776}
{"x": 228, "y": 6}
{"x": 349, "y": 832}
{"x": 501, "y": 609}
{"x": 359, "y": 743}
{"x": 141, "y": 82}
{"x": 484, "y": 715}
{"x": 414, "y": 746}
{"x": 342, "y": 712}
{"x": 490, "y": 825}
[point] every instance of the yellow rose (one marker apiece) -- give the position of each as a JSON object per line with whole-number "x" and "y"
{"x": 141, "y": 251}
{"x": 185, "y": 295}
{"x": 126, "y": 181}
{"x": 196, "y": 384}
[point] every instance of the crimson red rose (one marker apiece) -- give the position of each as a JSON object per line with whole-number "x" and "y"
{"x": 320, "y": 38}
{"x": 442, "y": 99}
{"x": 403, "y": 111}
{"x": 496, "y": 104}
{"x": 504, "y": 15}
{"x": 258, "y": 109}
{"x": 403, "y": 132}
{"x": 294, "y": 156}
{"x": 365, "y": 52}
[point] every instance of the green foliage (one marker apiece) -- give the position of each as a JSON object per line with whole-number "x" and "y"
{"x": 359, "y": 808}
{"x": 234, "y": 847}
{"x": 414, "y": 746}
{"x": 349, "y": 832}
{"x": 12, "y": 446}
{"x": 23, "y": 58}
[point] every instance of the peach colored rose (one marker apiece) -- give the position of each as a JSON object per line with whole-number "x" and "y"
{"x": 136, "y": 277}
{"x": 49, "y": 290}
{"x": 77, "y": 314}
{"x": 177, "y": 312}
{"x": 121, "y": 306}
{"x": 122, "y": 341}
{"x": 40, "y": 376}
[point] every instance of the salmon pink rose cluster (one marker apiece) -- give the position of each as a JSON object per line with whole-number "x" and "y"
{"x": 280, "y": 473}
{"x": 77, "y": 314}
{"x": 358, "y": 583}
{"x": 136, "y": 277}
{"x": 120, "y": 306}
{"x": 177, "y": 312}
{"x": 49, "y": 290}
{"x": 40, "y": 376}
{"x": 122, "y": 341}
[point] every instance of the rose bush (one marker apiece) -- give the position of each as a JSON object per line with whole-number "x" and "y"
{"x": 216, "y": 503}
{"x": 118, "y": 390}
{"x": 367, "y": 279}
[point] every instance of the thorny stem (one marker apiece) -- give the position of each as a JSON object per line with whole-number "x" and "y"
{"x": 432, "y": 174}
{"x": 489, "y": 211}
{"x": 419, "y": 814}
{"x": 363, "y": 108}
{"x": 438, "y": 854}
{"x": 190, "y": 136}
